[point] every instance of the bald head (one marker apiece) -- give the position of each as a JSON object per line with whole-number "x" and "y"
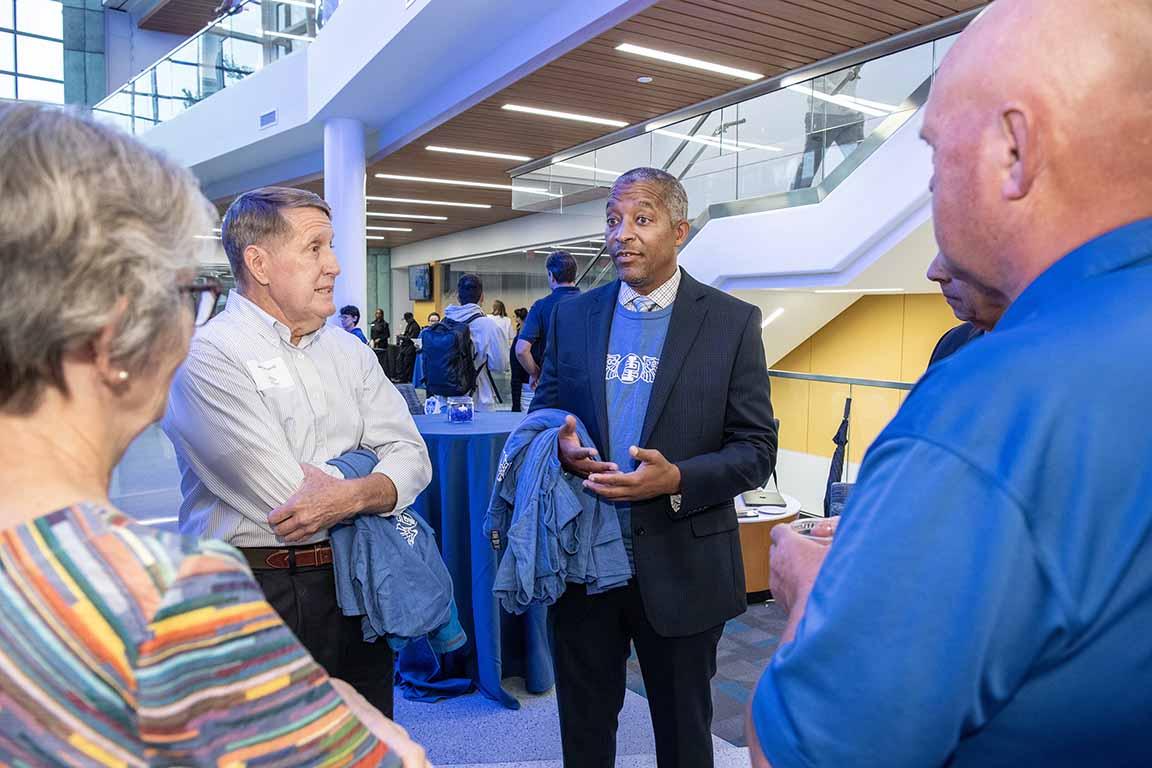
{"x": 1038, "y": 120}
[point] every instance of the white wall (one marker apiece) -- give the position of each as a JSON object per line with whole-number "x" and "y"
{"x": 805, "y": 476}
{"x": 129, "y": 50}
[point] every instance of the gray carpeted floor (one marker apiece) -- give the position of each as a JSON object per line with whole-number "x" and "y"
{"x": 744, "y": 651}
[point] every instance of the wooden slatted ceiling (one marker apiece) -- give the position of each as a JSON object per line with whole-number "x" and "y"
{"x": 180, "y": 17}
{"x": 765, "y": 36}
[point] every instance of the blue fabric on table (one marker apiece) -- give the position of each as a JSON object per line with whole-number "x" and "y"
{"x": 552, "y": 530}
{"x": 389, "y": 572}
{"x": 465, "y": 458}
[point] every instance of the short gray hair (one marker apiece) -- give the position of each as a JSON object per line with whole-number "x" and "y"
{"x": 90, "y": 219}
{"x": 672, "y": 192}
{"x": 254, "y": 218}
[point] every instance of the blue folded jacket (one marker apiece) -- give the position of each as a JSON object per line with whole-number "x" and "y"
{"x": 389, "y": 571}
{"x": 551, "y": 529}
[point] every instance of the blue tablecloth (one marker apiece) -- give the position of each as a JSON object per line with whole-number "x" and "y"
{"x": 465, "y": 458}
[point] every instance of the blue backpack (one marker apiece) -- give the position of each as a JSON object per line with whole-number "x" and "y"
{"x": 449, "y": 359}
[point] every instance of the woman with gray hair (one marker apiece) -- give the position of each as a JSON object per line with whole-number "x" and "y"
{"x": 124, "y": 645}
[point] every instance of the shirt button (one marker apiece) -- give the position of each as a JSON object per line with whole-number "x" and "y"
{"x": 639, "y": 531}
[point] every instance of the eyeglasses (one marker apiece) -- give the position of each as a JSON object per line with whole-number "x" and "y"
{"x": 202, "y": 296}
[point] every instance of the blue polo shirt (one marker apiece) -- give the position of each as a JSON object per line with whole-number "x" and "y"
{"x": 988, "y": 597}
{"x": 539, "y": 320}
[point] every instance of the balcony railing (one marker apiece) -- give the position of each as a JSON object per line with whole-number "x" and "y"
{"x": 252, "y": 35}
{"x": 780, "y": 143}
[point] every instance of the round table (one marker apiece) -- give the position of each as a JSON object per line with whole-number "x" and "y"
{"x": 465, "y": 458}
{"x": 756, "y": 539}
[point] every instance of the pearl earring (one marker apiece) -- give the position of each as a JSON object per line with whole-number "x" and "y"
{"x": 122, "y": 375}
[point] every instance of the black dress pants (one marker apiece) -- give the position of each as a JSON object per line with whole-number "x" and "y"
{"x": 305, "y": 598}
{"x": 590, "y": 646}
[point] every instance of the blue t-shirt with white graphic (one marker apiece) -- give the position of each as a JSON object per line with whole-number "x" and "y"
{"x": 634, "y": 349}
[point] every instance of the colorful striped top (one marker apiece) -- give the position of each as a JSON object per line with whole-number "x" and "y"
{"x": 121, "y": 645}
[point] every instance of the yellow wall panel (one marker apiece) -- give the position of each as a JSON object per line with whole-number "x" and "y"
{"x": 790, "y": 405}
{"x": 826, "y": 408}
{"x": 872, "y": 409}
{"x": 927, "y": 317}
{"x": 877, "y": 337}
{"x": 863, "y": 341}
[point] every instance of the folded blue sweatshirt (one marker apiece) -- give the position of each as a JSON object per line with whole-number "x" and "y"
{"x": 389, "y": 572}
{"x": 551, "y": 529}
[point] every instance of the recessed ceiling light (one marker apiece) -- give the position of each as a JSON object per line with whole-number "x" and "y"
{"x": 477, "y": 153}
{"x": 453, "y": 182}
{"x": 302, "y": 38}
{"x": 582, "y": 240}
{"x": 858, "y": 290}
{"x": 863, "y": 106}
{"x": 206, "y": 237}
{"x": 462, "y": 183}
{"x": 378, "y": 237}
{"x": 644, "y": 79}
{"x": 414, "y": 216}
{"x": 594, "y": 169}
{"x": 565, "y": 115}
{"x": 731, "y": 146}
{"x": 414, "y": 201}
{"x": 389, "y": 229}
{"x": 772, "y": 317}
{"x": 652, "y": 53}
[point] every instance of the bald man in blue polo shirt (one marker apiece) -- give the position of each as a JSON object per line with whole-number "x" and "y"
{"x": 987, "y": 599}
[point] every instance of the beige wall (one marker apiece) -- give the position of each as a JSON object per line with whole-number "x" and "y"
{"x": 877, "y": 337}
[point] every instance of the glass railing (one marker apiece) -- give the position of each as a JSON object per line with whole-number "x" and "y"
{"x": 778, "y": 144}
{"x": 249, "y": 37}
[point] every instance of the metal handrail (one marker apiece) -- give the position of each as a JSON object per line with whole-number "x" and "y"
{"x": 878, "y": 383}
{"x": 168, "y": 55}
{"x": 890, "y": 45}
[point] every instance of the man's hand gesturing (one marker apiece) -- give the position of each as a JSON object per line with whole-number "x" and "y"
{"x": 576, "y": 458}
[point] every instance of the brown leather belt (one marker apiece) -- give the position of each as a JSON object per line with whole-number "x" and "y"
{"x": 269, "y": 558}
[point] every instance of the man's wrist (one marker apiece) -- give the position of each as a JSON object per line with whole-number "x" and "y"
{"x": 373, "y": 494}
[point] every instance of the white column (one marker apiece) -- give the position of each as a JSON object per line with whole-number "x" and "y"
{"x": 344, "y": 168}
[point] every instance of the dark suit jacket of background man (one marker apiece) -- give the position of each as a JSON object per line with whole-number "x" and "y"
{"x": 951, "y": 342}
{"x": 710, "y": 413}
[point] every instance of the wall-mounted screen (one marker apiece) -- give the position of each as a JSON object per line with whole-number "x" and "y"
{"x": 420, "y": 283}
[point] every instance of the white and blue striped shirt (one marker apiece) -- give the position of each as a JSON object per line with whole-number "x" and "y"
{"x": 248, "y": 407}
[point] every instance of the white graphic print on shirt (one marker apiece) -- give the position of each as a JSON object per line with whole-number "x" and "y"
{"x": 632, "y": 368}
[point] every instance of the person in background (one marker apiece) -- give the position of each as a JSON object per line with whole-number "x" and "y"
{"x": 487, "y": 337}
{"x": 380, "y": 330}
{"x": 407, "y": 354}
{"x": 124, "y": 644}
{"x": 978, "y": 308}
{"x": 533, "y": 339}
{"x": 500, "y": 316}
{"x": 986, "y": 597}
{"x": 411, "y": 327}
{"x": 349, "y": 319}
{"x": 669, "y": 378}
{"x": 519, "y": 376}
{"x": 433, "y": 318}
{"x": 269, "y": 394}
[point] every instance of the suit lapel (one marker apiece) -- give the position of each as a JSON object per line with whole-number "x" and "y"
{"x": 599, "y": 329}
{"x": 688, "y": 313}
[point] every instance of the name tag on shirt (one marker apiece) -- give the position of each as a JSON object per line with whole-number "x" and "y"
{"x": 270, "y": 374}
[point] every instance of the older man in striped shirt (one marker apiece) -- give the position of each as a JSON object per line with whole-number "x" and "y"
{"x": 269, "y": 394}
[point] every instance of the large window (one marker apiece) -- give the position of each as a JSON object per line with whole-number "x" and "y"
{"x": 32, "y": 50}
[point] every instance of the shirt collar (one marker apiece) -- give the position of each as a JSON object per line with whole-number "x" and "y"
{"x": 244, "y": 308}
{"x": 663, "y": 296}
{"x": 1119, "y": 249}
